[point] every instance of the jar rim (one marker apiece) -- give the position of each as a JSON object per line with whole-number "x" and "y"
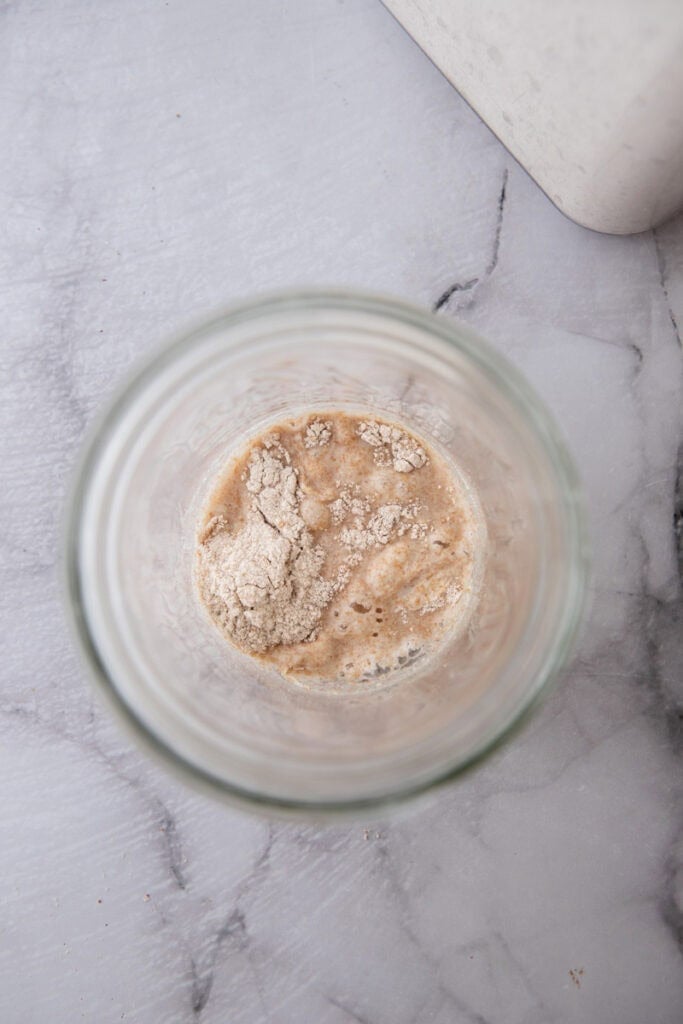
{"x": 445, "y": 336}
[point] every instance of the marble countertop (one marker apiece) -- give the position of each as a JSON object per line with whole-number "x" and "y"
{"x": 161, "y": 159}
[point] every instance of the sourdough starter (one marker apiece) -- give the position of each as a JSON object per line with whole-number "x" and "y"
{"x": 338, "y": 547}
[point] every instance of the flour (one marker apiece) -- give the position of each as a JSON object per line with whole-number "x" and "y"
{"x": 263, "y": 583}
{"x": 375, "y": 527}
{"x": 349, "y": 501}
{"x": 392, "y": 446}
{"x": 318, "y": 434}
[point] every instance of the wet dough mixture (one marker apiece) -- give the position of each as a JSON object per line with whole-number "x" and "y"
{"x": 338, "y": 548}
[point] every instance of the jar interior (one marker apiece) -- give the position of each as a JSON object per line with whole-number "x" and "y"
{"x": 225, "y": 713}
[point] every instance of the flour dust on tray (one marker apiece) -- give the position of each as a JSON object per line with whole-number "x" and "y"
{"x": 339, "y": 548}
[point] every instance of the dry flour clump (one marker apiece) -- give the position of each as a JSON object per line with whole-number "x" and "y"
{"x": 392, "y": 446}
{"x": 318, "y": 433}
{"x": 367, "y": 528}
{"x": 263, "y": 583}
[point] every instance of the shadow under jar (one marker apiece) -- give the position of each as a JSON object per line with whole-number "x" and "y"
{"x": 218, "y": 715}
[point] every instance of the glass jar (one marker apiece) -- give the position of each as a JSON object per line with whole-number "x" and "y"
{"x": 216, "y": 714}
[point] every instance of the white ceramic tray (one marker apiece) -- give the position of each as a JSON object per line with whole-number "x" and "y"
{"x": 586, "y": 94}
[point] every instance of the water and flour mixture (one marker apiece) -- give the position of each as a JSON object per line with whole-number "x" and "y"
{"x": 339, "y": 548}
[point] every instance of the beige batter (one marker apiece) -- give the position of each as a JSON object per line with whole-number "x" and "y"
{"x": 338, "y": 547}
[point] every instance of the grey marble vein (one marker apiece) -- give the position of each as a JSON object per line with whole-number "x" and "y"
{"x": 159, "y": 161}
{"x": 468, "y": 286}
{"x": 234, "y": 928}
{"x": 664, "y": 281}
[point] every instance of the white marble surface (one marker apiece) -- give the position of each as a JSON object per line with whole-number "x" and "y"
{"x": 159, "y": 160}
